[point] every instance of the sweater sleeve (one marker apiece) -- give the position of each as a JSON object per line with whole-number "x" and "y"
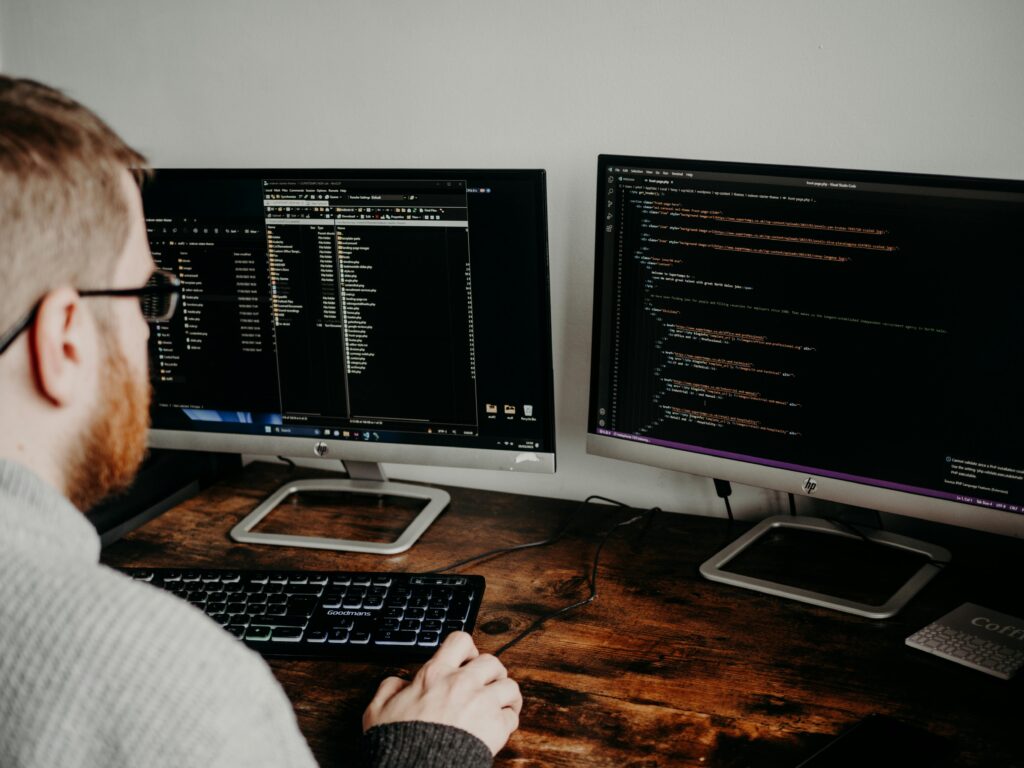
{"x": 423, "y": 745}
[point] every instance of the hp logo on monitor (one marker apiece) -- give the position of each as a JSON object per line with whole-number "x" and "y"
{"x": 320, "y": 449}
{"x": 810, "y": 485}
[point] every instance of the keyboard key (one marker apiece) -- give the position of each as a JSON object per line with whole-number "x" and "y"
{"x": 258, "y": 633}
{"x": 337, "y": 636}
{"x": 395, "y": 637}
{"x": 373, "y": 602}
{"x": 302, "y": 606}
{"x": 458, "y": 610}
{"x": 428, "y": 638}
{"x": 316, "y": 636}
{"x": 278, "y": 621}
{"x": 285, "y": 634}
{"x": 359, "y": 637}
{"x": 304, "y": 589}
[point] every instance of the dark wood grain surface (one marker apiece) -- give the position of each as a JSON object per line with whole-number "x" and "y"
{"x": 664, "y": 668}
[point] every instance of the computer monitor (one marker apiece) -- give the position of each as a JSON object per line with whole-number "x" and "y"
{"x": 851, "y": 335}
{"x": 366, "y": 315}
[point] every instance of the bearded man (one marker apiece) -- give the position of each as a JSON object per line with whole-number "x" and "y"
{"x": 96, "y": 669}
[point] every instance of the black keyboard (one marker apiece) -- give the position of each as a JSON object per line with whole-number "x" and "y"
{"x": 329, "y": 615}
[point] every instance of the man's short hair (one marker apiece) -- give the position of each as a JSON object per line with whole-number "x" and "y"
{"x": 64, "y": 219}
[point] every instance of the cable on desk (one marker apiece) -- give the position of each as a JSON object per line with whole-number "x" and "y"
{"x": 289, "y": 462}
{"x": 531, "y": 544}
{"x": 792, "y": 505}
{"x": 592, "y": 580}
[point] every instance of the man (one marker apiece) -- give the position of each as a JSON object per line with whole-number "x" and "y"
{"x": 95, "y": 669}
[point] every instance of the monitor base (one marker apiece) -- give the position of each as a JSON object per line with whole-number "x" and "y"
{"x": 364, "y": 478}
{"x": 714, "y": 568}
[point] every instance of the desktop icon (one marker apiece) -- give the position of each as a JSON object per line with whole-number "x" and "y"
{"x": 527, "y": 410}
{"x": 510, "y": 410}
{"x": 491, "y": 408}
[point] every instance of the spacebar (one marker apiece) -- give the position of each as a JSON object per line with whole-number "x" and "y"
{"x": 279, "y": 621}
{"x": 395, "y": 637}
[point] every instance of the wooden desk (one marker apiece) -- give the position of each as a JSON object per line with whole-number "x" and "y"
{"x": 664, "y": 668}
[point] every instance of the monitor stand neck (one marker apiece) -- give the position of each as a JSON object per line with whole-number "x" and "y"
{"x": 364, "y": 477}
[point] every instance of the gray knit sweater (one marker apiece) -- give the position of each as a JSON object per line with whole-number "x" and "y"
{"x": 99, "y": 670}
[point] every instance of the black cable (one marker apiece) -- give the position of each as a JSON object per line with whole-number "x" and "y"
{"x": 724, "y": 490}
{"x": 592, "y": 581}
{"x": 531, "y": 544}
{"x": 792, "y": 505}
{"x": 291, "y": 464}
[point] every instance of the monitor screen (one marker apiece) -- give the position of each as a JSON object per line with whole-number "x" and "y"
{"x": 372, "y": 315}
{"x": 853, "y": 335}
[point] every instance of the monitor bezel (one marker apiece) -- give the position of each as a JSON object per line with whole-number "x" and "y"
{"x": 750, "y": 473}
{"x": 326, "y": 448}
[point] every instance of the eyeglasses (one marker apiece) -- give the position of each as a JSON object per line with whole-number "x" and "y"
{"x": 158, "y": 299}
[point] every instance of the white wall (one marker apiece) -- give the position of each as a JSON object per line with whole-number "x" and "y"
{"x": 917, "y": 85}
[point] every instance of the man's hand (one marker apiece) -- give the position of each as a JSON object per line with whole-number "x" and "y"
{"x": 458, "y": 687}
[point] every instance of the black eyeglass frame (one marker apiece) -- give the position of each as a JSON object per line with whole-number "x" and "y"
{"x": 168, "y": 286}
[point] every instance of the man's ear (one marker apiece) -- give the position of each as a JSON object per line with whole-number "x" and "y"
{"x": 62, "y": 344}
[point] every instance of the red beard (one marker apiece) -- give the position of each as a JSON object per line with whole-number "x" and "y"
{"x": 115, "y": 440}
